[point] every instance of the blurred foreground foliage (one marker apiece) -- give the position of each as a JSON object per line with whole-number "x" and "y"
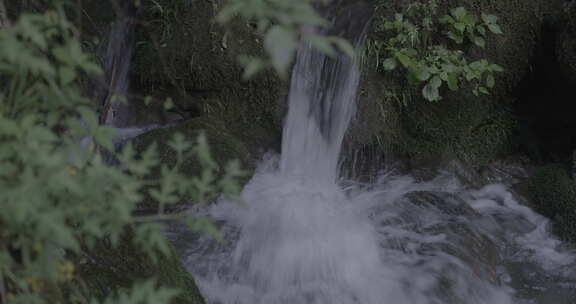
{"x": 59, "y": 197}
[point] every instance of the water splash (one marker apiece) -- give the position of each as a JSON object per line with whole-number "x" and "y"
{"x": 299, "y": 236}
{"x": 400, "y": 242}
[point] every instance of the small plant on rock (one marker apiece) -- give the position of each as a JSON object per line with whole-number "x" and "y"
{"x": 407, "y": 45}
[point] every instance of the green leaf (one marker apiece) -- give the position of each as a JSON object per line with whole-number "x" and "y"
{"x": 321, "y": 43}
{"x": 495, "y": 28}
{"x": 179, "y": 143}
{"x": 447, "y": 19}
{"x": 436, "y": 82}
{"x": 205, "y": 225}
{"x": 103, "y": 135}
{"x": 252, "y": 66}
{"x": 431, "y": 90}
{"x": 89, "y": 117}
{"x": 470, "y": 19}
{"x": 460, "y": 26}
{"x": 280, "y": 44}
{"x": 489, "y": 19}
{"x": 422, "y": 73}
{"x": 452, "y": 81}
{"x": 67, "y": 75}
{"x": 496, "y": 68}
{"x": 481, "y": 29}
{"x": 168, "y": 104}
{"x": 490, "y": 81}
{"x": 458, "y": 12}
{"x": 430, "y": 93}
{"x": 479, "y": 41}
{"x": 147, "y": 100}
{"x": 404, "y": 60}
{"x": 8, "y": 127}
{"x": 389, "y": 64}
{"x": 458, "y": 37}
{"x": 478, "y": 65}
{"x": 344, "y": 46}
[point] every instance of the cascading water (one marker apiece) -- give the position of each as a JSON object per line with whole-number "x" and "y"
{"x": 299, "y": 237}
{"x": 112, "y": 93}
{"x": 117, "y": 60}
{"x": 321, "y": 105}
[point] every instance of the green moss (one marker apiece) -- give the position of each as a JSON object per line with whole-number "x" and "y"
{"x": 107, "y": 269}
{"x": 223, "y": 146}
{"x": 474, "y": 130}
{"x": 182, "y": 51}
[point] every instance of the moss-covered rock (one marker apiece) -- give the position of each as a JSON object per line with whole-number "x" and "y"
{"x": 223, "y": 145}
{"x": 472, "y": 129}
{"x": 183, "y": 54}
{"x": 552, "y": 192}
{"x": 182, "y": 51}
{"x": 106, "y": 269}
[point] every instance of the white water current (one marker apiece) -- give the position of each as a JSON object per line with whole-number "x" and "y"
{"x": 297, "y": 236}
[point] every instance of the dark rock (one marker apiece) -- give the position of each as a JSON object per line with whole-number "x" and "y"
{"x": 566, "y": 46}
{"x": 475, "y": 130}
{"x": 551, "y": 192}
{"x": 183, "y": 54}
{"x": 107, "y": 268}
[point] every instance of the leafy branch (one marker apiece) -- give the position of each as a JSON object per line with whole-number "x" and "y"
{"x": 59, "y": 198}
{"x": 284, "y": 26}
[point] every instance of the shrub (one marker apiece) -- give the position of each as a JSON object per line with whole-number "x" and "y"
{"x": 60, "y": 198}
{"x": 406, "y": 43}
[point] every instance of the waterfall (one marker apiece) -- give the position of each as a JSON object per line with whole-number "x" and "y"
{"x": 112, "y": 92}
{"x": 298, "y": 237}
{"x": 321, "y": 105}
{"x": 117, "y": 59}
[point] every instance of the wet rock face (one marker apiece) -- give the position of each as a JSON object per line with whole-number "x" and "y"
{"x": 473, "y": 129}
{"x": 547, "y": 130}
{"x": 552, "y": 192}
{"x": 566, "y": 47}
{"x": 348, "y": 18}
{"x": 182, "y": 51}
{"x": 105, "y": 269}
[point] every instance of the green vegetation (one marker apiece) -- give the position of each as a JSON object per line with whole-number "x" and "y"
{"x": 284, "y": 24}
{"x": 72, "y": 227}
{"x": 60, "y": 200}
{"x": 407, "y": 42}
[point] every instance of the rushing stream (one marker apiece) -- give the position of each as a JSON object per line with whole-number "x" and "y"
{"x": 298, "y": 236}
